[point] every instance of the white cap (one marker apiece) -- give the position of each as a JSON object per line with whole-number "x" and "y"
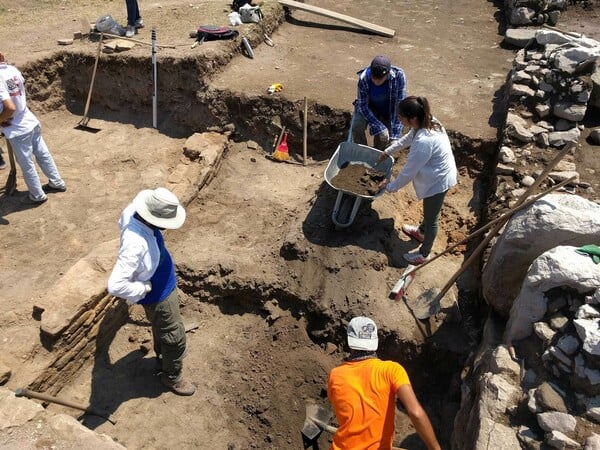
{"x": 362, "y": 334}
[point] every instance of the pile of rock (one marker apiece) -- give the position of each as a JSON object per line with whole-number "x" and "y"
{"x": 535, "y": 12}
{"x": 536, "y": 382}
{"x": 555, "y": 79}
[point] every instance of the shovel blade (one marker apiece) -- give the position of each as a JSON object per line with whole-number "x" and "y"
{"x": 310, "y": 430}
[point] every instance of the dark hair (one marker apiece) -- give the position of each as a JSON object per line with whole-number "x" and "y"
{"x": 417, "y": 107}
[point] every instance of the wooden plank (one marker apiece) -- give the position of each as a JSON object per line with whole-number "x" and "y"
{"x": 387, "y": 32}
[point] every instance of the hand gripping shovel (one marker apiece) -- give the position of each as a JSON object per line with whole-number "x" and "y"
{"x": 83, "y": 123}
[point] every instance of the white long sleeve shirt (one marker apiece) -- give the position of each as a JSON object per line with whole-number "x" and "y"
{"x": 430, "y": 163}
{"x": 137, "y": 261}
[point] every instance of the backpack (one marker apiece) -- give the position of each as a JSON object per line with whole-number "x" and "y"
{"x": 237, "y": 4}
{"x": 214, "y": 33}
{"x": 250, "y": 14}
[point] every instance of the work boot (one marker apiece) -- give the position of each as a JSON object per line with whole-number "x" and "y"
{"x": 130, "y": 31}
{"x": 178, "y": 386}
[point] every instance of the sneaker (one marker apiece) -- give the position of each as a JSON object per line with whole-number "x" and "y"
{"x": 179, "y": 387}
{"x": 49, "y": 189}
{"x": 130, "y": 31}
{"x": 139, "y": 23}
{"x": 413, "y": 232}
{"x": 2, "y": 163}
{"x": 415, "y": 258}
{"x": 27, "y": 200}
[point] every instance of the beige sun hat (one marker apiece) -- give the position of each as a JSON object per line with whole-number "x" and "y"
{"x": 160, "y": 207}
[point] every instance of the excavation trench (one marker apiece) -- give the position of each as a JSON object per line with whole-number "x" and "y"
{"x": 272, "y": 296}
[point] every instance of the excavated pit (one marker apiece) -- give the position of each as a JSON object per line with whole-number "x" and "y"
{"x": 274, "y": 344}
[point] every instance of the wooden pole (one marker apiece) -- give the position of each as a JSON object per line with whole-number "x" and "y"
{"x": 304, "y": 161}
{"x": 483, "y": 244}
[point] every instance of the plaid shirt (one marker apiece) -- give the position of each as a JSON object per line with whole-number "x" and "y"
{"x": 397, "y": 84}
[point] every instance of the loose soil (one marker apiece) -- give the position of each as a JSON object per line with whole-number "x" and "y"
{"x": 262, "y": 269}
{"x": 358, "y": 179}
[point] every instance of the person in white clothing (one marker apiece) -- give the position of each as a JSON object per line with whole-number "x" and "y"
{"x": 430, "y": 166}
{"x": 23, "y": 130}
{"x": 144, "y": 274}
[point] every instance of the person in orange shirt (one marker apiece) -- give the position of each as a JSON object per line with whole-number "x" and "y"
{"x": 363, "y": 391}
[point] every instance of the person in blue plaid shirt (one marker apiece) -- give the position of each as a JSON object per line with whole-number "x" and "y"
{"x": 381, "y": 87}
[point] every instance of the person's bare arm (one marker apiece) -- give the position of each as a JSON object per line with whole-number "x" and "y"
{"x": 8, "y": 109}
{"x": 418, "y": 416}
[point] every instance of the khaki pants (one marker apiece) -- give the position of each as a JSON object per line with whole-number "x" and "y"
{"x": 168, "y": 332}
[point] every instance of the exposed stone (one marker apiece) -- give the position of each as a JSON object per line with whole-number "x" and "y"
{"x": 527, "y": 180}
{"x": 502, "y": 363}
{"x": 521, "y": 16}
{"x": 554, "y": 420}
{"x": 15, "y": 411}
{"x": 495, "y": 436}
{"x": 560, "y": 138}
{"x": 558, "y": 322}
{"x": 588, "y": 332}
{"x": 563, "y": 125}
{"x": 502, "y": 169}
{"x": 562, "y": 176}
{"x": 587, "y": 312}
{"x": 521, "y": 89}
{"x": 592, "y": 407}
{"x": 556, "y": 439}
{"x": 569, "y": 111}
{"x": 543, "y": 331}
{"x": 592, "y": 442}
{"x": 507, "y": 155}
{"x": 549, "y": 399}
{"x": 519, "y": 37}
{"x": 542, "y": 110}
{"x": 568, "y": 344}
{"x": 545, "y": 37}
{"x": 497, "y": 394}
{"x": 527, "y": 436}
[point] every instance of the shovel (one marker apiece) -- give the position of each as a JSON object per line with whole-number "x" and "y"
{"x": 83, "y": 123}
{"x": 11, "y": 181}
{"x": 315, "y": 422}
{"x": 408, "y": 275}
{"x": 22, "y": 392}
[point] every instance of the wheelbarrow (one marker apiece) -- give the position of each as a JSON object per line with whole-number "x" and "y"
{"x": 347, "y": 203}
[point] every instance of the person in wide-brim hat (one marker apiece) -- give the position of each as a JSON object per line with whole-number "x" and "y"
{"x": 145, "y": 274}
{"x": 160, "y": 207}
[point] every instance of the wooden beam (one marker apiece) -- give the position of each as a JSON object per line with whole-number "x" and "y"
{"x": 387, "y": 32}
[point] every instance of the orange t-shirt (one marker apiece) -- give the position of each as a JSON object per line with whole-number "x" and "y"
{"x": 363, "y": 395}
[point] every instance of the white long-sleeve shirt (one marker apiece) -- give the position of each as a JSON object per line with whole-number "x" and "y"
{"x": 137, "y": 261}
{"x": 430, "y": 163}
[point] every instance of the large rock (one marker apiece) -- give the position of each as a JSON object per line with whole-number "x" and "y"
{"x": 554, "y": 220}
{"x": 560, "y": 266}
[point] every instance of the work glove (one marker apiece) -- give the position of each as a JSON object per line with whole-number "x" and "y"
{"x": 147, "y": 286}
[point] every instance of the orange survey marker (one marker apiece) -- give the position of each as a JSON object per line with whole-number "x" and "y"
{"x": 281, "y": 152}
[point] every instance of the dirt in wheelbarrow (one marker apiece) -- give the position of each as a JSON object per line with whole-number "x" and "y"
{"x": 358, "y": 179}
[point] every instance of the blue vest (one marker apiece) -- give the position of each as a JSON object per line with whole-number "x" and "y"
{"x": 163, "y": 281}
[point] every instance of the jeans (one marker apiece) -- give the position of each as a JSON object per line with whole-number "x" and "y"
{"x": 26, "y": 147}
{"x": 429, "y": 227}
{"x": 168, "y": 333}
{"x": 359, "y": 132}
{"x": 133, "y": 11}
